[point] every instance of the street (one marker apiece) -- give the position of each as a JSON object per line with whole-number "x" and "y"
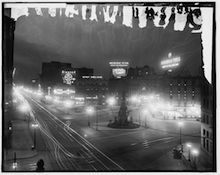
{"x": 83, "y": 148}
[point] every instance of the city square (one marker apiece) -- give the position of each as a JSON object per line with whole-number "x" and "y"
{"x": 110, "y": 90}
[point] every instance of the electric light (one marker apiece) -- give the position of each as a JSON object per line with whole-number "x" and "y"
{"x": 188, "y": 145}
{"x": 68, "y": 103}
{"x": 34, "y": 125}
{"x": 48, "y": 97}
{"x": 111, "y": 101}
{"x": 180, "y": 124}
{"x": 90, "y": 110}
{"x": 14, "y": 165}
{"x": 24, "y": 107}
{"x": 135, "y": 99}
{"x": 195, "y": 152}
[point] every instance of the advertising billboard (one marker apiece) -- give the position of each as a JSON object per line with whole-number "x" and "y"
{"x": 119, "y": 68}
{"x": 170, "y": 62}
{"x": 119, "y": 72}
{"x": 68, "y": 77}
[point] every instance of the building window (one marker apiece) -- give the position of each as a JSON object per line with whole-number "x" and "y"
{"x": 207, "y": 134}
{"x": 203, "y": 142}
{"x": 207, "y": 145}
{"x": 203, "y": 132}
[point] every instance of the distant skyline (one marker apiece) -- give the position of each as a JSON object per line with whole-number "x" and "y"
{"x": 85, "y": 43}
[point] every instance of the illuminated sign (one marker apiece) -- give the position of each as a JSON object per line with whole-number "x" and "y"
{"x": 68, "y": 77}
{"x": 93, "y": 77}
{"x": 61, "y": 91}
{"x": 119, "y": 64}
{"x": 119, "y": 72}
{"x": 119, "y": 68}
{"x": 170, "y": 62}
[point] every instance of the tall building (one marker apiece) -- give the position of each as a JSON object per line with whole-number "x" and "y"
{"x": 183, "y": 93}
{"x": 7, "y": 78}
{"x": 207, "y": 118}
{"x": 92, "y": 88}
{"x": 51, "y": 73}
{"x": 8, "y": 51}
{"x": 57, "y": 76}
{"x": 83, "y": 71}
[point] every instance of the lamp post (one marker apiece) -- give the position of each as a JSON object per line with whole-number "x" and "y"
{"x": 195, "y": 153}
{"x": 67, "y": 104}
{"x": 189, "y": 147}
{"x": 14, "y": 164}
{"x": 145, "y": 117}
{"x": 180, "y": 126}
{"x": 35, "y": 126}
{"x": 96, "y": 120}
{"x": 90, "y": 111}
{"x": 111, "y": 102}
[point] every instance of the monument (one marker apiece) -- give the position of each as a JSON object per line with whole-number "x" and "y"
{"x": 121, "y": 121}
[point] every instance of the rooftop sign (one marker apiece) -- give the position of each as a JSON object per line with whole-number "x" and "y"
{"x": 119, "y": 64}
{"x": 170, "y": 62}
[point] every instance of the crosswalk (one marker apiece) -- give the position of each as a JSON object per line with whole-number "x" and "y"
{"x": 147, "y": 143}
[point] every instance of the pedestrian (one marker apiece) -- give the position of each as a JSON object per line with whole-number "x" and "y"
{"x": 40, "y": 165}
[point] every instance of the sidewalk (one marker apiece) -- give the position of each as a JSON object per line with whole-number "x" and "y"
{"x": 201, "y": 162}
{"x": 21, "y": 144}
{"x": 168, "y": 163}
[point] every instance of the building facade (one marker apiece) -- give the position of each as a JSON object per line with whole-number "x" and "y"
{"x": 8, "y": 51}
{"x": 92, "y": 88}
{"x": 207, "y": 118}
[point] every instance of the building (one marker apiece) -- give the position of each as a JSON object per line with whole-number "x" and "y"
{"x": 179, "y": 91}
{"x": 8, "y": 51}
{"x": 137, "y": 81}
{"x": 55, "y": 73}
{"x": 207, "y": 118}
{"x": 140, "y": 72}
{"x": 182, "y": 93}
{"x": 84, "y": 72}
{"x": 57, "y": 78}
{"x": 92, "y": 88}
{"x": 51, "y": 73}
{"x": 7, "y": 78}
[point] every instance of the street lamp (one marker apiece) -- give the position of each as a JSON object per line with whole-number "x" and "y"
{"x": 111, "y": 102}
{"x": 180, "y": 126}
{"x": 15, "y": 164}
{"x": 195, "y": 153}
{"x": 34, "y": 126}
{"x": 145, "y": 117}
{"x": 189, "y": 147}
{"x": 89, "y": 111}
{"x": 24, "y": 107}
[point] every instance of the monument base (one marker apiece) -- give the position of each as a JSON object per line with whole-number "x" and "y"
{"x": 127, "y": 125}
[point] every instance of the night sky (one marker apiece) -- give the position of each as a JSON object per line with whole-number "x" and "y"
{"x": 86, "y": 43}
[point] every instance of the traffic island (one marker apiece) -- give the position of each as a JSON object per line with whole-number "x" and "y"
{"x": 128, "y": 125}
{"x": 121, "y": 121}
